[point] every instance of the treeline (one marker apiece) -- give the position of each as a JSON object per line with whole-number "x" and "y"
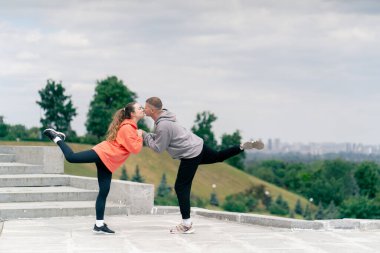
{"x": 254, "y": 199}
{"x": 353, "y": 188}
{"x": 10, "y": 132}
{"x": 110, "y": 94}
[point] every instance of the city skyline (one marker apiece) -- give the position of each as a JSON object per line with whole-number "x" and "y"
{"x": 318, "y": 148}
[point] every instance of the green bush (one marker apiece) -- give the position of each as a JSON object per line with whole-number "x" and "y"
{"x": 361, "y": 208}
{"x": 232, "y": 204}
{"x": 169, "y": 200}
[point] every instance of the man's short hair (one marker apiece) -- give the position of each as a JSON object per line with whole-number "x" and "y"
{"x": 155, "y": 102}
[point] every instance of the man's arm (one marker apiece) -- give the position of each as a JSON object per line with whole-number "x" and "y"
{"x": 159, "y": 140}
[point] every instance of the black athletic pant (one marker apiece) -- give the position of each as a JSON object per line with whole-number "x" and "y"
{"x": 104, "y": 174}
{"x": 187, "y": 169}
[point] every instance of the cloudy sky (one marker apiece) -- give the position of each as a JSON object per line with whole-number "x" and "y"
{"x": 291, "y": 69}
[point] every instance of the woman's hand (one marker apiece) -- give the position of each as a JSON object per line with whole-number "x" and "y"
{"x": 139, "y": 132}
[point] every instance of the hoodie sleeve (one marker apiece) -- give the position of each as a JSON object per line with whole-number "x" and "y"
{"x": 160, "y": 139}
{"x": 127, "y": 137}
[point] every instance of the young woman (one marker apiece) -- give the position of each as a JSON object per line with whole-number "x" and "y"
{"x": 123, "y": 138}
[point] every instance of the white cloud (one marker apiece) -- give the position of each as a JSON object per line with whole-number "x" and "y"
{"x": 25, "y": 55}
{"x": 66, "y": 38}
{"x": 33, "y": 36}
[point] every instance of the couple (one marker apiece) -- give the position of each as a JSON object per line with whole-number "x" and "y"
{"x": 123, "y": 138}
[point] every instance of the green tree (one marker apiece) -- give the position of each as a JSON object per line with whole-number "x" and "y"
{"x": 203, "y": 128}
{"x": 137, "y": 176}
{"x": 368, "y": 178}
{"x": 229, "y": 140}
{"x": 242, "y": 201}
{"x": 214, "y": 199}
{"x": 111, "y": 94}
{"x": 280, "y": 206}
{"x": 333, "y": 181}
{"x": 235, "y": 203}
{"x": 319, "y": 215}
{"x": 34, "y": 133}
{"x": 164, "y": 195}
{"x": 17, "y": 132}
{"x": 197, "y": 201}
{"x": 169, "y": 200}
{"x": 278, "y": 169}
{"x": 163, "y": 189}
{"x": 3, "y": 129}
{"x": 58, "y": 107}
{"x": 307, "y": 212}
{"x": 332, "y": 212}
{"x": 360, "y": 208}
{"x": 267, "y": 200}
{"x": 293, "y": 176}
{"x": 351, "y": 187}
{"x": 259, "y": 191}
{"x": 124, "y": 175}
{"x": 298, "y": 207}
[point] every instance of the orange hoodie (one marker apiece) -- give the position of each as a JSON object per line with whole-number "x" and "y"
{"x": 114, "y": 153}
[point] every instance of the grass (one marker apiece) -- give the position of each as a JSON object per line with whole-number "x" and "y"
{"x": 228, "y": 179}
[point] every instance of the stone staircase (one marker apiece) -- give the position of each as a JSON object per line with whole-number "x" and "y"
{"x": 32, "y": 184}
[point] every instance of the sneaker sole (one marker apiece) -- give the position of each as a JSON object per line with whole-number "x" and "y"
{"x": 258, "y": 145}
{"x": 101, "y": 232}
{"x": 191, "y": 231}
{"x": 58, "y": 133}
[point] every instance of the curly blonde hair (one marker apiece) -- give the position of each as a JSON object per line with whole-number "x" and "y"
{"x": 119, "y": 116}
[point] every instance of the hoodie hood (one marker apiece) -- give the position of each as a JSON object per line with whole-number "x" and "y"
{"x": 166, "y": 116}
{"x": 128, "y": 122}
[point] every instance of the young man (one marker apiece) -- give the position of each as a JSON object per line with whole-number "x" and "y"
{"x": 182, "y": 144}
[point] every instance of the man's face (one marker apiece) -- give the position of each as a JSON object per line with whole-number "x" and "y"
{"x": 148, "y": 110}
{"x": 139, "y": 111}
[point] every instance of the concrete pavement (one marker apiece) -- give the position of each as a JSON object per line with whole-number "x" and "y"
{"x": 149, "y": 233}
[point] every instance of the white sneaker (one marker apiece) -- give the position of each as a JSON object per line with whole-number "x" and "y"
{"x": 252, "y": 144}
{"x": 182, "y": 229}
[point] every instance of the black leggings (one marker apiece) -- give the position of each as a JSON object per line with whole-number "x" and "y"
{"x": 104, "y": 174}
{"x": 187, "y": 169}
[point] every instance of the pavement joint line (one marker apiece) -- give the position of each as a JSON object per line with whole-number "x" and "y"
{"x": 1, "y": 226}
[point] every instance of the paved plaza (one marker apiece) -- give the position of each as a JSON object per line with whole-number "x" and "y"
{"x": 149, "y": 233}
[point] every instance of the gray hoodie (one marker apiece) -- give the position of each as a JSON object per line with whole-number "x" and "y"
{"x": 169, "y": 135}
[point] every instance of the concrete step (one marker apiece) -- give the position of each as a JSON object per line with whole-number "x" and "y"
{"x": 34, "y": 180}
{"x": 7, "y": 158}
{"x": 20, "y": 168}
{"x": 55, "y": 209}
{"x": 39, "y": 194}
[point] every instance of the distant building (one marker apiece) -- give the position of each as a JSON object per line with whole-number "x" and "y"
{"x": 269, "y": 147}
{"x": 277, "y": 144}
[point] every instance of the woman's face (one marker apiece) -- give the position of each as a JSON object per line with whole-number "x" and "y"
{"x": 139, "y": 111}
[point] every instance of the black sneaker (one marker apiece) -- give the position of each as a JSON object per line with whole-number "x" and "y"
{"x": 103, "y": 229}
{"x": 51, "y": 133}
